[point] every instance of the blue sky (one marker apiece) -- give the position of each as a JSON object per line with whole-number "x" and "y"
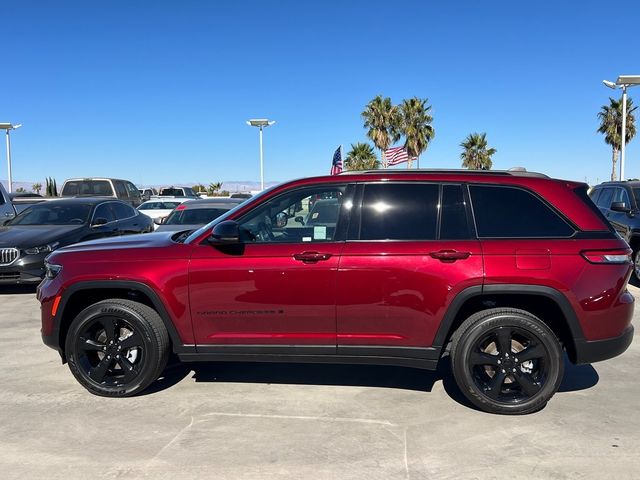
{"x": 158, "y": 92}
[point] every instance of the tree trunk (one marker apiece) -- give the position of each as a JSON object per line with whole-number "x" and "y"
{"x": 614, "y": 159}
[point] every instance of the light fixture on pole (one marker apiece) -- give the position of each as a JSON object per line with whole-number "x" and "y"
{"x": 8, "y": 127}
{"x": 623, "y": 82}
{"x": 261, "y": 123}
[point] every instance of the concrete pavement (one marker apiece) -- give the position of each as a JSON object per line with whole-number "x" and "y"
{"x": 278, "y": 421}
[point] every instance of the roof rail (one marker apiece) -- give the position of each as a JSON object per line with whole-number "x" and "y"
{"x": 515, "y": 173}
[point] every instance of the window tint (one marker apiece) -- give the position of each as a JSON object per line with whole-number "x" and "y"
{"x": 604, "y": 200}
{"x": 121, "y": 190}
{"x": 594, "y": 194}
{"x": 453, "y": 224}
{"x": 104, "y": 211}
{"x": 122, "y": 210}
{"x": 194, "y": 216}
{"x": 50, "y": 214}
{"x": 620, "y": 195}
{"x": 132, "y": 190}
{"x": 87, "y": 187}
{"x": 399, "y": 211}
{"x": 300, "y": 216}
{"x": 507, "y": 212}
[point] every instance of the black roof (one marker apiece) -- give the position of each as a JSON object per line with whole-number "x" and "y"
{"x": 80, "y": 200}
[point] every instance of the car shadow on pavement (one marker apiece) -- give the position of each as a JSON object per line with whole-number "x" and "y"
{"x": 576, "y": 377}
{"x": 17, "y": 289}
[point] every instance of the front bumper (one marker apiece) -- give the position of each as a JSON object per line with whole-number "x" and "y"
{"x": 598, "y": 350}
{"x": 24, "y": 270}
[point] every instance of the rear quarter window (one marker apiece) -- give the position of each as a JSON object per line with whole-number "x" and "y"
{"x": 511, "y": 212}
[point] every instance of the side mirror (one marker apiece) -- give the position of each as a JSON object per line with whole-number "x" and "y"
{"x": 225, "y": 232}
{"x": 299, "y": 219}
{"x": 281, "y": 220}
{"x": 98, "y": 222}
{"x": 620, "y": 207}
{"x": 159, "y": 220}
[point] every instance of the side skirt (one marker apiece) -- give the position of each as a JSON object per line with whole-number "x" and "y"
{"x": 423, "y": 358}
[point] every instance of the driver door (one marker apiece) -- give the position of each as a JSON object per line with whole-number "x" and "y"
{"x": 276, "y": 290}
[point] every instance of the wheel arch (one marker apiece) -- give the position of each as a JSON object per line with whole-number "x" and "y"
{"x": 547, "y": 303}
{"x": 82, "y": 294}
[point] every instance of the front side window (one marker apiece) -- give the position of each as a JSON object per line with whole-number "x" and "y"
{"x": 104, "y": 213}
{"x": 400, "y": 211}
{"x": 621, "y": 196}
{"x": 301, "y": 216}
{"x": 605, "y": 198}
{"x": 509, "y": 212}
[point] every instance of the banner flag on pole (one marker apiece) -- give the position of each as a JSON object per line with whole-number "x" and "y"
{"x": 336, "y": 164}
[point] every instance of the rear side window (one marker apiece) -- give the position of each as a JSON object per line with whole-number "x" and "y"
{"x": 454, "y": 224}
{"x": 399, "y": 212}
{"x": 122, "y": 191}
{"x": 508, "y": 212}
{"x": 104, "y": 211}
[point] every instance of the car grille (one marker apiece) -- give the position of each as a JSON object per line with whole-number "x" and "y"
{"x": 9, "y": 275}
{"x": 8, "y": 255}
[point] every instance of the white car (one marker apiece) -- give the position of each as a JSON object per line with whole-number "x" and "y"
{"x": 160, "y": 208}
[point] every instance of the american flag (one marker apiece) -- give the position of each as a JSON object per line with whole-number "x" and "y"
{"x": 396, "y": 156}
{"x": 336, "y": 164}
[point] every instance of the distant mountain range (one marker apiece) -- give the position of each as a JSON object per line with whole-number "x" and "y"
{"x": 231, "y": 186}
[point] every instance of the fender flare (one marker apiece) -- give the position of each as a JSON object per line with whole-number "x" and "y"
{"x": 507, "y": 288}
{"x": 176, "y": 341}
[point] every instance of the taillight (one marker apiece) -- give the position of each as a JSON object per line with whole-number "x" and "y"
{"x": 180, "y": 207}
{"x": 608, "y": 256}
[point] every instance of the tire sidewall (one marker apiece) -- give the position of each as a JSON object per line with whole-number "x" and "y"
{"x": 547, "y": 338}
{"x": 150, "y": 356}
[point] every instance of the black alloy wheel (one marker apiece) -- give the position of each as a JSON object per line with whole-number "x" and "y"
{"x": 507, "y": 361}
{"x": 117, "y": 347}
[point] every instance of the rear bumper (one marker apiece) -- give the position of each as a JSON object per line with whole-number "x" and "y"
{"x": 598, "y": 350}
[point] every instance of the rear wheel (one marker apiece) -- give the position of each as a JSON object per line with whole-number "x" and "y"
{"x": 117, "y": 348}
{"x": 507, "y": 361}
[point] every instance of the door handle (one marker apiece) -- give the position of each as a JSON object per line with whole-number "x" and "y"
{"x": 449, "y": 255}
{"x": 311, "y": 257}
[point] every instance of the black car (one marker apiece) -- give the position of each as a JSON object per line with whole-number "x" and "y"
{"x": 31, "y": 235}
{"x": 620, "y": 203}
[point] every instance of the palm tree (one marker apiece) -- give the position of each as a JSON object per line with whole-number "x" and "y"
{"x": 611, "y": 126}
{"x": 214, "y": 188}
{"x": 199, "y": 188}
{"x": 415, "y": 125}
{"x": 382, "y": 121}
{"x": 36, "y": 187}
{"x": 361, "y": 157}
{"x": 475, "y": 154}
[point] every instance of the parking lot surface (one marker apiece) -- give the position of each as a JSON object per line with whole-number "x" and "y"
{"x": 263, "y": 421}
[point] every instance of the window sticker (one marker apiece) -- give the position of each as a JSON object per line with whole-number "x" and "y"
{"x": 320, "y": 232}
{"x": 306, "y": 239}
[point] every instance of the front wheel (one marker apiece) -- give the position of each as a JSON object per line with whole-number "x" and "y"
{"x": 507, "y": 361}
{"x": 117, "y": 348}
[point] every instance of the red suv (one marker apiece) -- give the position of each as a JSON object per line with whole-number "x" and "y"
{"x": 503, "y": 271}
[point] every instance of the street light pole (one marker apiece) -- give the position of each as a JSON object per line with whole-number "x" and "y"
{"x": 624, "y": 130}
{"x": 623, "y": 82}
{"x": 261, "y": 123}
{"x": 8, "y": 127}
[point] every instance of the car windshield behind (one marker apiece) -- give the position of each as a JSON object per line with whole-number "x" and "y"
{"x": 98, "y": 188}
{"x": 194, "y": 216}
{"x": 159, "y": 206}
{"x": 172, "y": 192}
{"x": 48, "y": 214}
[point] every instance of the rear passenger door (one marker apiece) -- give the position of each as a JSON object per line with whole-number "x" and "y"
{"x": 410, "y": 250}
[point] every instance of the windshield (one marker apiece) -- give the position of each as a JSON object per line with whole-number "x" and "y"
{"x": 46, "y": 214}
{"x": 172, "y": 192}
{"x": 209, "y": 226}
{"x": 194, "y": 216}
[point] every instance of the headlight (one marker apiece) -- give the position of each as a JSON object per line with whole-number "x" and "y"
{"x": 43, "y": 249}
{"x": 52, "y": 270}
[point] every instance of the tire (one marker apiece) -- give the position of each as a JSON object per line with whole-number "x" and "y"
{"x": 636, "y": 265}
{"x": 117, "y": 348}
{"x": 506, "y": 361}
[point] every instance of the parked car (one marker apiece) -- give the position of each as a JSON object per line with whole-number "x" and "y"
{"x": 22, "y": 201}
{"x": 178, "y": 192}
{"x": 192, "y": 214}
{"x": 240, "y": 195}
{"x": 159, "y": 209}
{"x": 620, "y": 203}
{"x": 147, "y": 193}
{"x": 511, "y": 269}
{"x": 102, "y": 187}
{"x": 7, "y": 210}
{"x": 31, "y": 235}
